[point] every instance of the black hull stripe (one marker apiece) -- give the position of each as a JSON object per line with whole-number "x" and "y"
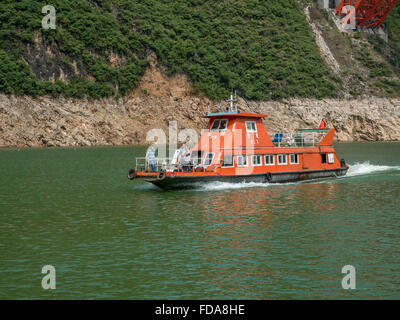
{"x": 194, "y": 181}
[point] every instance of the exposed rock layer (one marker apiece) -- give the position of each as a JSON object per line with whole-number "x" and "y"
{"x": 31, "y": 122}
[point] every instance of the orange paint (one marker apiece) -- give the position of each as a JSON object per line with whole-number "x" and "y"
{"x": 244, "y": 138}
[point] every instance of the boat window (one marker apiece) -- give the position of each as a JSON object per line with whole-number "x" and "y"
{"x": 256, "y": 160}
{"x": 282, "y": 159}
{"x": 269, "y": 160}
{"x": 228, "y": 160}
{"x": 208, "y": 159}
{"x": 251, "y": 126}
{"x": 196, "y": 156}
{"x": 323, "y": 157}
{"x": 331, "y": 158}
{"x": 223, "y": 124}
{"x": 241, "y": 161}
{"x": 294, "y": 159}
{"x": 215, "y": 125}
{"x": 219, "y": 125}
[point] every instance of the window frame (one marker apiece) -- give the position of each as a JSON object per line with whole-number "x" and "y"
{"x": 245, "y": 157}
{"x": 290, "y": 158}
{"x": 219, "y": 125}
{"x": 273, "y": 159}
{"x": 282, "y": 163}
{"x": 255, "y": 125}
{"x": 227, "y": 123}
{"x": 198, "y": 157}
{"x": 212, "y": 125}
{"x": 252, "y": 160}
{"x": 233, "y": 161}
{"x": 205, "y": 157}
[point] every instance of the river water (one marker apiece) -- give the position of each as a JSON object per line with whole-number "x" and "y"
{"x": 111, "y": 238}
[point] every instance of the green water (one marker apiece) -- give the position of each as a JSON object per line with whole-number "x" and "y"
{"x": 112, "y": 238}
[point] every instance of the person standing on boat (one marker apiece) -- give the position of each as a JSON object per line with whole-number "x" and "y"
{"x": 289, "y": 139}
{"x": 184, "y": 157}
{"x": 151, "y": 158}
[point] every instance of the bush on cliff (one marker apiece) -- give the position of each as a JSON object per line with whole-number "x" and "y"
{"x": 264, "y": 49}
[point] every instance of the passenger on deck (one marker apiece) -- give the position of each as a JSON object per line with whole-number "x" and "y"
{"x": 289, "y": 139}
{"x": 151, "y": 158}
{"x": 185, "y": 158}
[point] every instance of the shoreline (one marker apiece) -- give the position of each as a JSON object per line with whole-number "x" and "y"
{"x": 66, "y": 122}
{"x": 147, "y": 145}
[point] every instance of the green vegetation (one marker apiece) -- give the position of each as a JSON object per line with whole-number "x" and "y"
{"x": 85, "y": 33}
{"x": 391, "y": 49}
{"x": 265, "y": 49}
{"x": 391, "y": 87}
{"x": 393, "y": 25}
{"x": 377, "y": 69}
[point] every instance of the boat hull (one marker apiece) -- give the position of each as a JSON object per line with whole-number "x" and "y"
{"x": 190, "y": 181}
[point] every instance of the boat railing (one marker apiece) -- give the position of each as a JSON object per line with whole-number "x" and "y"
{"x": 308, "y": 137}
{"x": 302, "y": 138}
{"x": 167, "y": 164}
{"x": 142, "y": 164}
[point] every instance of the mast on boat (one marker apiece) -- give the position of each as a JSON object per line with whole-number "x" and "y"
{"x": 232, "y": 103}
{"x": 232, "y": 108}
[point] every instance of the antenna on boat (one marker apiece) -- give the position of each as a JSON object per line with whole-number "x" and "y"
{"x": 232, "y": 103}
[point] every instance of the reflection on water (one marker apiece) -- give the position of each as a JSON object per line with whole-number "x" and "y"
{"x": 241, "y": 239}
{"x": 109, "y": 238}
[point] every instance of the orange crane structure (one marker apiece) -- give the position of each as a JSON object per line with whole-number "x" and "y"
{"x": 369, "y": 13}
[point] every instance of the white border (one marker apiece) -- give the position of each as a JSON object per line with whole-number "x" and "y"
{"x": 205, "y": 157}
{"x": 273, "y": 159}
{"x": 255, "y": 122}
{"x": 286, "y": 157}
{"x": 331, "y": 158}
{"x": 261, "y": 158}
{"x": 227, "y": 124}
{"x": 298, "y": 158}
{"x": 247, "y": 161}
{"x": 212, "y": 124}
{"x": 233, "y": 162}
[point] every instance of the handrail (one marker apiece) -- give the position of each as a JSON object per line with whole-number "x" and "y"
{"x": 166, "y": 164}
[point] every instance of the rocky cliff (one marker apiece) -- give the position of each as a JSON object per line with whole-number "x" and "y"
{"x": 44, "y": 121}
{"x": 32, "y": 122}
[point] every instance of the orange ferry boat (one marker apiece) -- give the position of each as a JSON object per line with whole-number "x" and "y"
{"x": 237, "y": 148}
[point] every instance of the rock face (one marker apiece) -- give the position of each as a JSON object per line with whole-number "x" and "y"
{"x": 32, "y": 122}
{"x": 373, "y": 119}
{"x": 25, "y": 121}
{"x": 159, "y": 100}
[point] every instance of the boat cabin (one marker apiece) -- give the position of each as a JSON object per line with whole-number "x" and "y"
{"x": 239, "y": 143}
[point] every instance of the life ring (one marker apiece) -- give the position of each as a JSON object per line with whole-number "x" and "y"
{"x": 303, "y": 176}
{"x": 161, "y": 175}
{"x": 132, "y": 174}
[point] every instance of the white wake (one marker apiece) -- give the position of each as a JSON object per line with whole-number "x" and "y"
{"x": 215, "y": 186}
{"x": 367, "y": 168}
{"x": 356, "y": 169}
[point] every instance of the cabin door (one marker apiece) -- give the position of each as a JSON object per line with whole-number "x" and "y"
{"x": 307, "y": 161}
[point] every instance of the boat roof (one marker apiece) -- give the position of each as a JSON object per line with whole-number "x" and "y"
{"x": 234, "y": 114}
